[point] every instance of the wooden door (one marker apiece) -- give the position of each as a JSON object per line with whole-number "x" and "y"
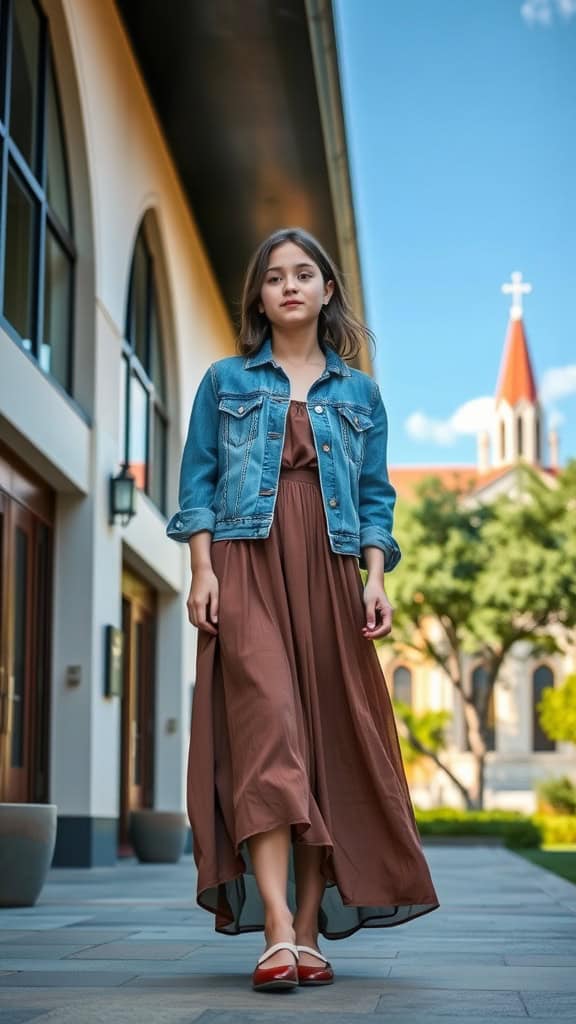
{"x": 137, "y": 743}
{"x": 25, "y": 633}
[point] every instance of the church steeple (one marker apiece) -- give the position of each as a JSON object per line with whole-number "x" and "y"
{"x": 517, "y": 418}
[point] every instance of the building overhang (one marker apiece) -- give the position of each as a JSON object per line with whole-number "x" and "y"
{"x": 248, "y": 98}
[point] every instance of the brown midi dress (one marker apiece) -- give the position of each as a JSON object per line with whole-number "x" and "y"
{"x": 292, "y": 724}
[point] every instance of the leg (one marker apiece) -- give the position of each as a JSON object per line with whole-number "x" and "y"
{"x": 309, "y": 889}
{"x": 269, "y": 852}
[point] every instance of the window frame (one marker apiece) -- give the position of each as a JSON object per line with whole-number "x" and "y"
{"x": 33, "y": 179}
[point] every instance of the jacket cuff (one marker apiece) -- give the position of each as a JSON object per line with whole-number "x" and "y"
{"x": 376, "y": 537}
{"x": 184, "y": 523}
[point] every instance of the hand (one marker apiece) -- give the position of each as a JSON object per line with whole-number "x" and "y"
{"x": 202, "y": 601}
{"x": 378, "y": 610}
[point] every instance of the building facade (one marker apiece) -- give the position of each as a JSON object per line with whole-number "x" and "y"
{"x": 121, "y": 239}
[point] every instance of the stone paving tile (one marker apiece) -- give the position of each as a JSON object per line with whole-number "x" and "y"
{"x": 24, "y": 954}
{"x": 495, "y": 977}
{"x": 64, "y": 936}
{"x": 554, "y": 1005}
{"x": 61, "y": 979}
{"x": 20, "y": 1016}
{"x": 38, "y": 923}
{"x": 135, "y": 951}
{"x": 473, "y": 1003}
{"x": 536, "y": 960}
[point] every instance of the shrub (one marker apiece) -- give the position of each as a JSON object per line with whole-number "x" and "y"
{"x": 557, "y": 829}
{"x": 559, "y": 793}
{"x": 515, "y": 828}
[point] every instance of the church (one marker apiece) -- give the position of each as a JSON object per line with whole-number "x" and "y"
{"x": 519, "y": 752}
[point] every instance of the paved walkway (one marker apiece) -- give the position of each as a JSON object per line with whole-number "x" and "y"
{"x": 127, "y": 945}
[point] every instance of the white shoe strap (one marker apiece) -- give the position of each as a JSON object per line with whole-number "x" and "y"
{"x": 313, "y": 952}
{"x": 274, "y": 949}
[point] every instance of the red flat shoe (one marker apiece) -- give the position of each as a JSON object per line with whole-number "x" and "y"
{"x": 281, "y": 976}
{"x": 323, "y": 974}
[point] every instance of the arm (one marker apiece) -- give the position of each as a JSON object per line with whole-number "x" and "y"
{"x": 377, "y": 496}
{"x": 199, "y": 467}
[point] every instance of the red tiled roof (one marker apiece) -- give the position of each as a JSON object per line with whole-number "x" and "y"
{"x": 406, "y": 478}
{"x": 516, "y": 379}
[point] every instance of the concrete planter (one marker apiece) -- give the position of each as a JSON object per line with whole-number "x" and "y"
{"x": 158, "y": 837}
{"x": 27, "y": 840}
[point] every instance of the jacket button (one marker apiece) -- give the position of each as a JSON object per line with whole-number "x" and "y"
{"x": 240, "y": 408}
{"x": 318, "y": 408}
{"x": 332, "y": 502}
{"x": 325, "y": 447}
{"x": 178, "y": 523}
{"x": 356, "y": 420}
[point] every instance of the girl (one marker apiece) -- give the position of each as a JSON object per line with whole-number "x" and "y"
{"x": 301, "y": 815}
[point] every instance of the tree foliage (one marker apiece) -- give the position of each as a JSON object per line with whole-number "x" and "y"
{"x": 477, "y": 577}
{"x": 558, "y": 711}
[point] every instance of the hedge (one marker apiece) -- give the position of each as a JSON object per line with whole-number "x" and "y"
{"x": 515, "y": 829}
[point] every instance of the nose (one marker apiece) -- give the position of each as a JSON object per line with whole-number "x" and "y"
{"x": 290, "y": 285}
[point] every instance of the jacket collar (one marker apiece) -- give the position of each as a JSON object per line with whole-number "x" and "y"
{"x": 334, "y": 364}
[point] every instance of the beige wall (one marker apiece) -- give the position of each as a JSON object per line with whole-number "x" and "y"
{"x": 120, "y": 170}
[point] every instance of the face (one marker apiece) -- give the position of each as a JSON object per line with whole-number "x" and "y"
{"x": 293, "y": 291}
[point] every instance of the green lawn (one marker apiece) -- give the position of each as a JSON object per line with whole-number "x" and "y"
{"x": 561, "y": 860}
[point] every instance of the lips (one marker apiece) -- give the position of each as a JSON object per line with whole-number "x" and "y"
{"x": 291, "y": 302}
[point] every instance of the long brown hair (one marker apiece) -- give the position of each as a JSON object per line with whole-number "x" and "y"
{"x": 338, "y": 326}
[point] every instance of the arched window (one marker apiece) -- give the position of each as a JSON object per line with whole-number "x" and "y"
{"x": 402, "y": 685}
{"x": 542, "y": 677}
{"x": 144, "y": 419}
{"x": 502, "y": 440}
{"x": 37, "y": 252}
{"x": 520, "y": 435}
{"x": 479, "y": 694}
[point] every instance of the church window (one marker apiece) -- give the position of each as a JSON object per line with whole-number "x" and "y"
{"x": 502, "y": 440}
{"x": 542, "y": 678}
{"x": 479, "y": 693}
{"x": 520, "y": 435}
{"x": 402, "y": 685}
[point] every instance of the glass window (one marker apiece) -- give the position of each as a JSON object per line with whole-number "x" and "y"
{"x": 480, "y": 680}
{"x": 19, "y": 259}
{"x": 25, "y": 75}
{"x": 144, "y": 426}
{"x": 402, "y": 685}
{"x": 158, "y": 467}
{"x": 138, "y": 431}
{"x": 36, "y": 241}
{"x": 542, "y": 678}
{"x": 156, "y": 359}
{"x": 57, "y": 188}
{"x": 138, "y": 303}
{"x": 55, "y": 347}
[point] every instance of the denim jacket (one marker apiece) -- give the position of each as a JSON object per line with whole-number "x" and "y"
{"x": 231, "y": 460}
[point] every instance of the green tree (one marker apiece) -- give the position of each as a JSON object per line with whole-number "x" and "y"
{"x": 477, "y": 577}
{"x": 558, "y": 711}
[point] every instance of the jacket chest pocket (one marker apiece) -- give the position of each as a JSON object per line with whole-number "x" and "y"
{"x": 239, "y": 419}
{"x": 354, "y": 426}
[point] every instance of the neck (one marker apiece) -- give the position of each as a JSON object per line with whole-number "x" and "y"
{"x": 298, "y": 346}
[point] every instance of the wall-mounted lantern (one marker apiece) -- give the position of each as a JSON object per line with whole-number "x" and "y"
{"x": 122, "y": 496}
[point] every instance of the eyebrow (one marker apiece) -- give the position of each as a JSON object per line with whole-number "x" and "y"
{"x": 298, "y": 265}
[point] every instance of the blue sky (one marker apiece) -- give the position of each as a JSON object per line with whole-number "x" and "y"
{"x": 461, "y": 122}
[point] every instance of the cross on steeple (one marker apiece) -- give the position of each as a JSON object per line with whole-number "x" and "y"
{"x": 516, "y": 289}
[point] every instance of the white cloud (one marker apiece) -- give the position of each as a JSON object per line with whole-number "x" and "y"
{"x": 541, "y": 12}
{"x": 558, "y": 383}
{"x": 555, "y": 419}
{"x": 469, "y": 418}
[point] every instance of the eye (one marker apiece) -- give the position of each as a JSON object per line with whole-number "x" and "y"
{"x": 273, "y": 279}
{"x": 304, "y": 274}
